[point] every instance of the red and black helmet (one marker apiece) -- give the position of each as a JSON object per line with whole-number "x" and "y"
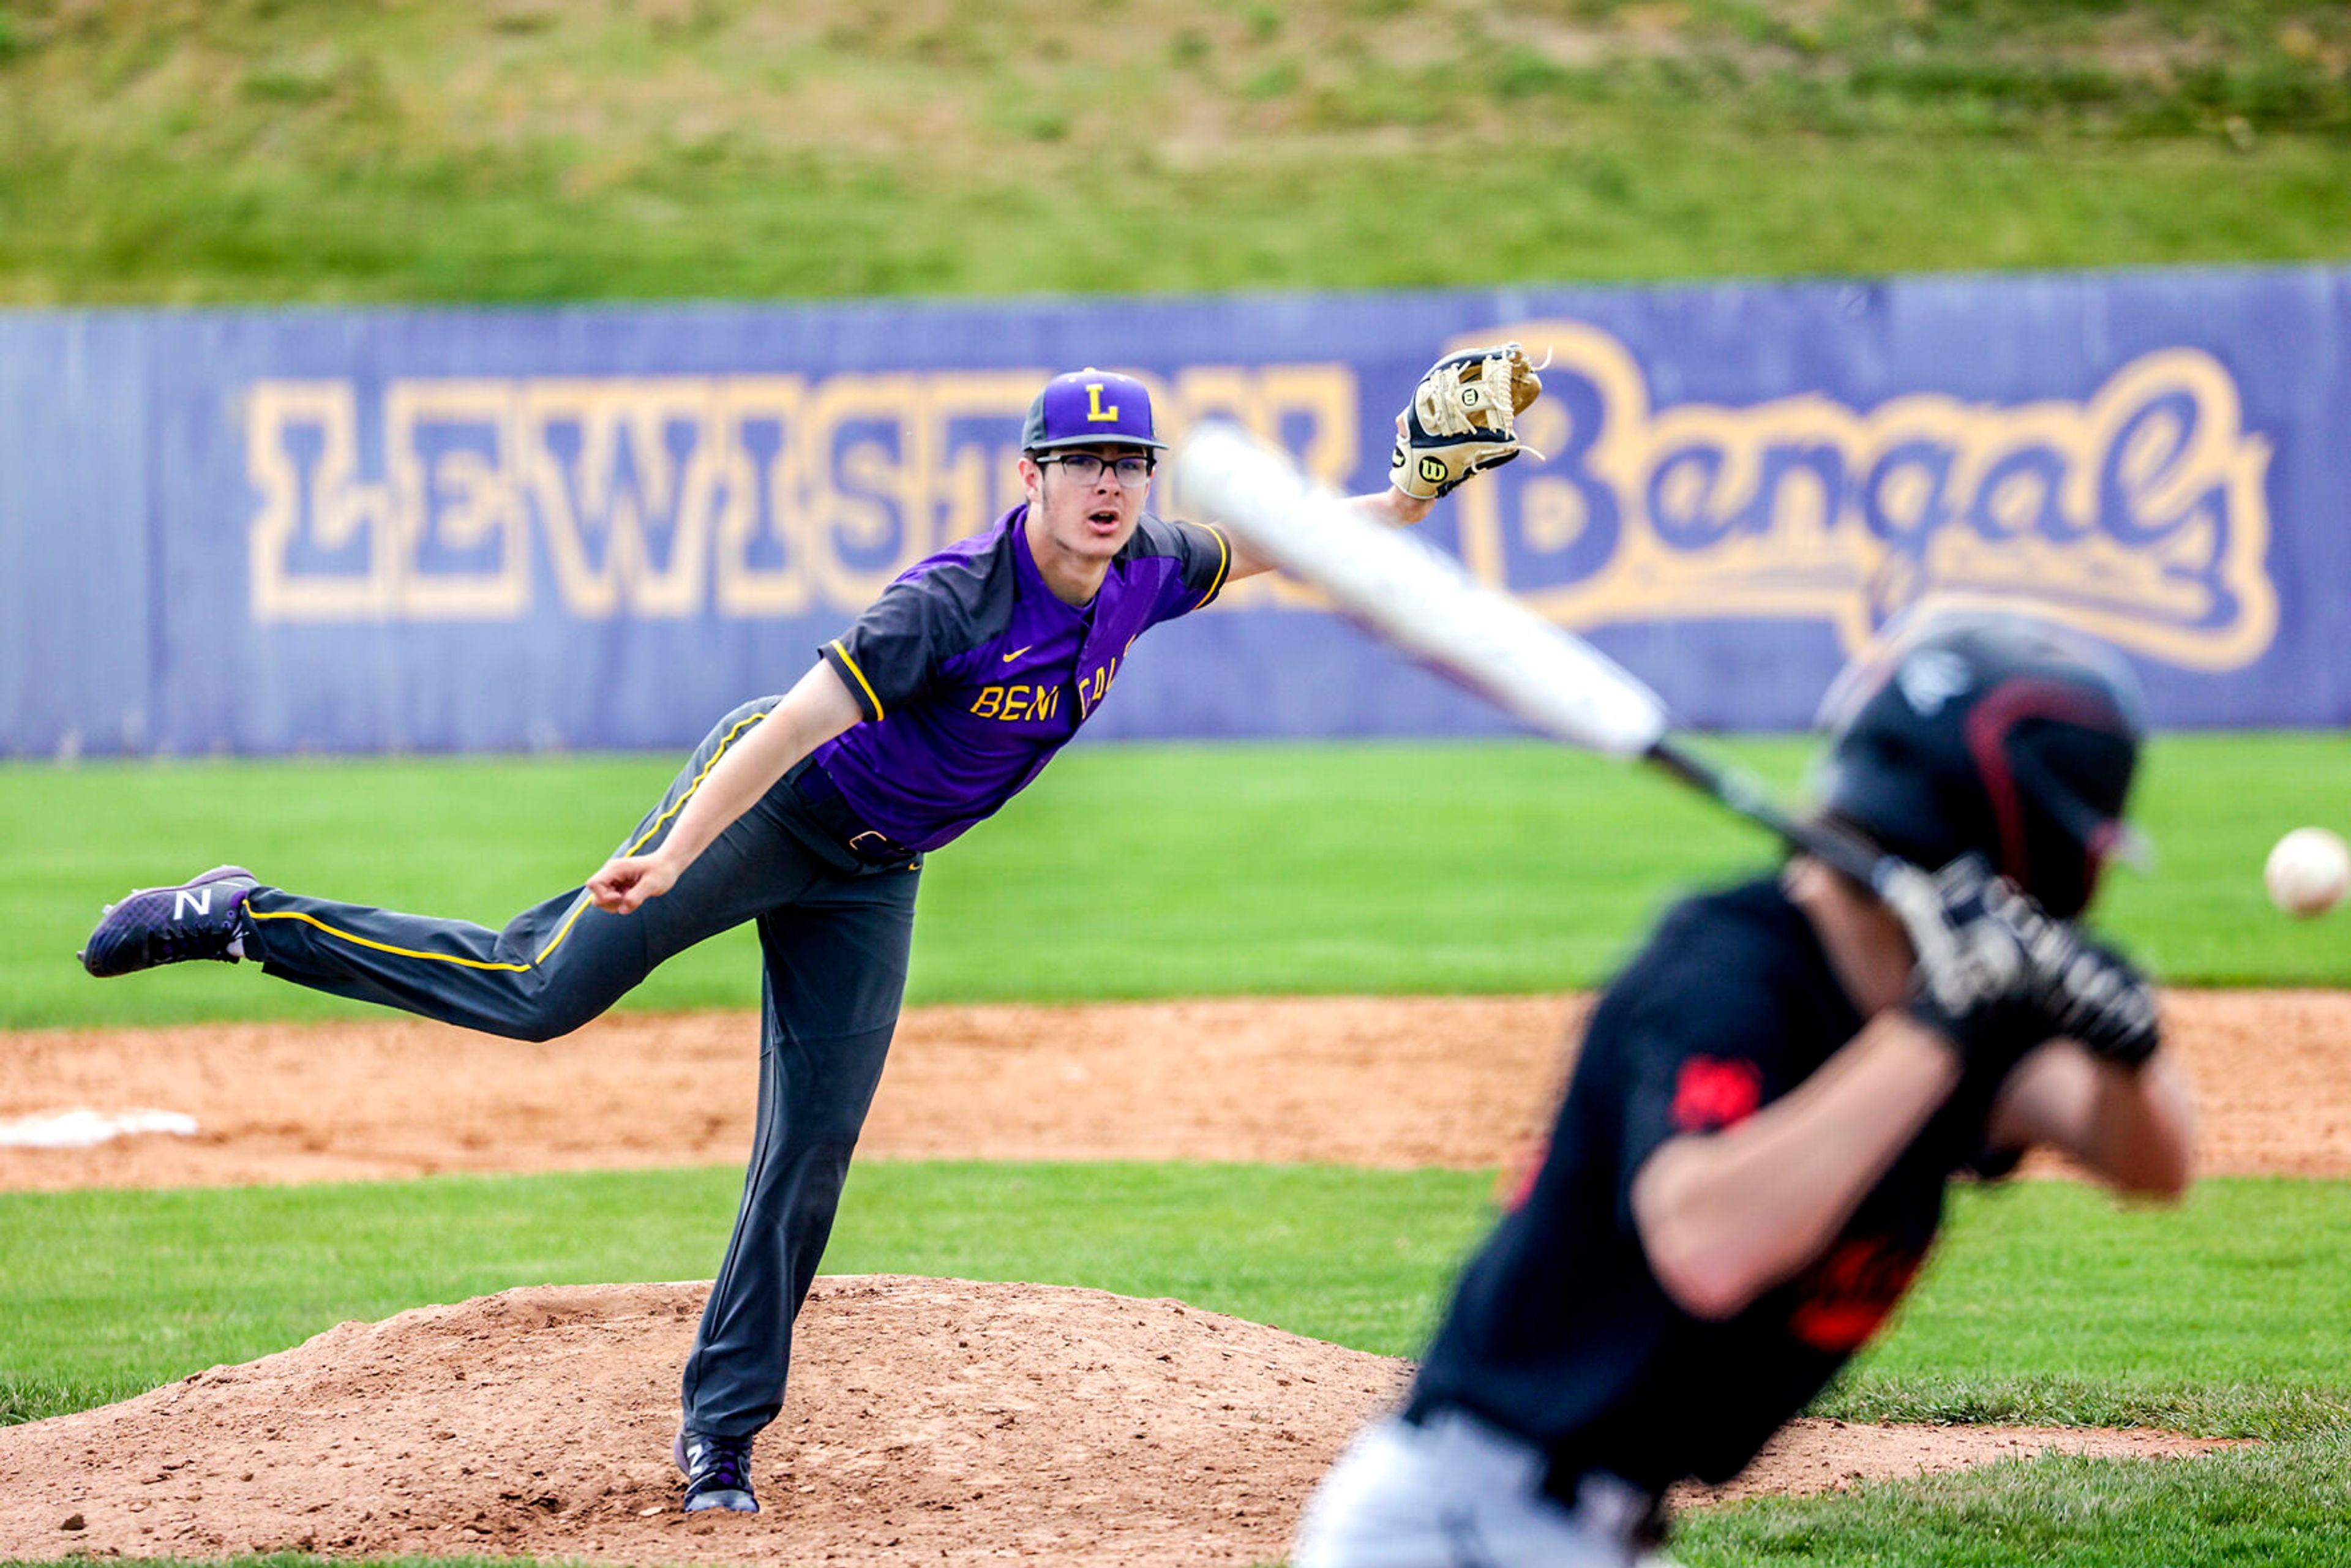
{"x": 1991, "y": 733}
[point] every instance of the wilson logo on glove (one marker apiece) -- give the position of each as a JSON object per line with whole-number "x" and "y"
{"x": 1462, "y": 419}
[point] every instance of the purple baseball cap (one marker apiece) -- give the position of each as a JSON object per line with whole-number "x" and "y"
{"x": 1088, "y": 407}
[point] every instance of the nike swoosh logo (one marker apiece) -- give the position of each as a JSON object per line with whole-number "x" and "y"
{"x": 1017, "y": 652}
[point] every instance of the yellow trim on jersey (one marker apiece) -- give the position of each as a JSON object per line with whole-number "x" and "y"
{"x": 836, "y": 647}
{"x": 579, "y": 907}
{"x": 1223, "y": 563}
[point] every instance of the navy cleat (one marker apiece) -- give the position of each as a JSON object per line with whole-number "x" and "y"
{"x": 154, "y": 926}
{"x": 717, "y": 1473}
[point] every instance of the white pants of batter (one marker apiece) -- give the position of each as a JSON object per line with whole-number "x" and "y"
{"x": 1454, "y": 1492}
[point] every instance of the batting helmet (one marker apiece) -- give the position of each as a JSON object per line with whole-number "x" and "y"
{"x": 1994, "y": 734}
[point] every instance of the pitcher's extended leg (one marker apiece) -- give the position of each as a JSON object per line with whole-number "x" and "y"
{"x": 556, "y": 965}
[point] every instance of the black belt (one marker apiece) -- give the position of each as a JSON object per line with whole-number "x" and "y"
{"x": 831, "y": 812}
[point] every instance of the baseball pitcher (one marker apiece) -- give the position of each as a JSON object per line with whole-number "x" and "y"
{"x": 811, "y": 814}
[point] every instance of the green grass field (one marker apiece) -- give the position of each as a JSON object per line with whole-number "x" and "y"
{"x": 1498, "y": 867}
{"x": 1317, "y": 871}
{"x": 2282, "y": 1504}
{"x": 1315, "y": 868}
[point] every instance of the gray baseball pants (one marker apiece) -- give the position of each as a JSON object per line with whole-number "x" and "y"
{"x": 1454, "y": 1492}
{"x": 833, "y": 938}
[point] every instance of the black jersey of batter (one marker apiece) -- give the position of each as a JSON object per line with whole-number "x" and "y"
{"x": 1559, "y": 1332}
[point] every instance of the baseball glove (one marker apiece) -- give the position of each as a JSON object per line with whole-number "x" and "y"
{"x": 1462, "y": 419}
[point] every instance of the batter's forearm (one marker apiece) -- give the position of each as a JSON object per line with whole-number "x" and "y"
{"x": 2133, "y": 1129}
{"x": 2143, "y": 1129}
{"x": 1724, "y": 1216}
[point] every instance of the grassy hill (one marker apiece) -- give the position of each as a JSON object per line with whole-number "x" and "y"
{"x": 259, "y": 149}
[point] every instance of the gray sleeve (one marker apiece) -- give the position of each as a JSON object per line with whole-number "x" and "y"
{"x": 1203, "y": 557}
{"x": 888, "y": 657}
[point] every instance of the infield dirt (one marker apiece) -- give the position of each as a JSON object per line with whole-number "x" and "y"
{"x": 1461, "y": 1083}
{"x": 930, "y": 1421}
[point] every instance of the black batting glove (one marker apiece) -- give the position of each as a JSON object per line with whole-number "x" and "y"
{"x": 1997, "y": 974}
{"x": 2096, "y": 997}
{"x": 1975, "y": 981}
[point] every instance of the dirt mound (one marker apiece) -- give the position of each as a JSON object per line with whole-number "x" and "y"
{"x": 930, "y": 1421}
{"x": 1459, "y": 1082}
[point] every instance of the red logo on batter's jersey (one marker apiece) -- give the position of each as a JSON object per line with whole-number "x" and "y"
{"x": 1843, "y": 1299}
{"x": 1714, "y": 1092}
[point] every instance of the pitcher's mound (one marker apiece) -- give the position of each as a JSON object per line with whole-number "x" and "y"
{"x": 931, "y": 1421}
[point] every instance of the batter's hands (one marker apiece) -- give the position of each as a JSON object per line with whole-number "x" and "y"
{"x": 627, "y": 881}
{"x": 1462, "y": 419}
{"x": 1997, "y": 974}
{"x": 1973, "y": 978}
{"x": 2098, "y": 998}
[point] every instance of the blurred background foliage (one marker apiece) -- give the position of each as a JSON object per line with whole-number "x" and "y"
{"x": 332, "y": 150}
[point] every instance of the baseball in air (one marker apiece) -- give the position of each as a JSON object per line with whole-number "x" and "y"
{"x": 2307, "y": 871}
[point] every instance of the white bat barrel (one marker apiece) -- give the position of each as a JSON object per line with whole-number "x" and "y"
{"x": 1416, "y": 597}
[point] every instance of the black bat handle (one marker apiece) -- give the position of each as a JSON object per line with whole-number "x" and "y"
{"x": 1746, "y": 794}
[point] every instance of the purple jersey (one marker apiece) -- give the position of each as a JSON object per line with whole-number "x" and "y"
{"x": 971, "y": 673}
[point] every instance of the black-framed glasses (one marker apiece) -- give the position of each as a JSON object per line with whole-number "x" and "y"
{"x": 1085, "y": 467}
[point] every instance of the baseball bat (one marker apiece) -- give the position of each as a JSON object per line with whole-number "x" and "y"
{"x": 1423, "y": 602}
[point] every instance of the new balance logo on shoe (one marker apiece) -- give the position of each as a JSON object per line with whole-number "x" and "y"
{"x": 717, "y": 1473}
{"x": 200, "y": 918}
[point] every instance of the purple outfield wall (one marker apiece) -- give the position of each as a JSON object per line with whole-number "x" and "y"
{"x": 366, "y": 530}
